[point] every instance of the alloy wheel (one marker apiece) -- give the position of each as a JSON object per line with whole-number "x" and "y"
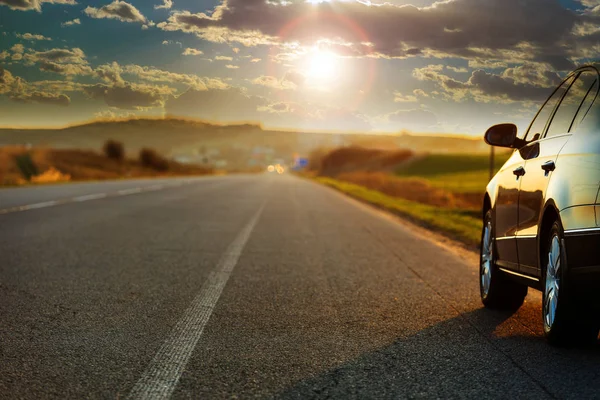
{"x": 486, "y": 259}
{"x": 552, "y": 286}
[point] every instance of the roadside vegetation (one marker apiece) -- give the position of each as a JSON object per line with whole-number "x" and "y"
{"x": 443, "y": 192}
{"x": 20, "y": 165}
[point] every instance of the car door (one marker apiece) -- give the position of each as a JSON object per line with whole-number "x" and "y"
{"x": 509, "y": 182}
{"x": 506, "y": 212}
{"x": 540, "y": 161}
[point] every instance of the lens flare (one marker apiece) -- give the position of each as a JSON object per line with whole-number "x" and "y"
{"x": 322, "y": 65}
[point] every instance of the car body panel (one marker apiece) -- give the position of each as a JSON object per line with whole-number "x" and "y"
{"x": 532, "y": 199}
{"x": 506, "y": 211}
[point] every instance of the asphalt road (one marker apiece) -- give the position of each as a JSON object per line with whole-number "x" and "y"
{"x": 257, "y": 286}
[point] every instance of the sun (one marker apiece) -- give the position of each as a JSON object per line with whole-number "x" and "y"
{"x": 322, "y": 65}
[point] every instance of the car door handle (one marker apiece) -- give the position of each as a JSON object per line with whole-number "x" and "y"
{"x": 549, "y": 166}
{"x": 519, "y": 171}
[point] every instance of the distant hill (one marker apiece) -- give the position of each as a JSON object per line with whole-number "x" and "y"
{"x": 191, "y": 138}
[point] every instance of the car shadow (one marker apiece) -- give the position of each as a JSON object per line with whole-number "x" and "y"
{"x": 477, "y": 354}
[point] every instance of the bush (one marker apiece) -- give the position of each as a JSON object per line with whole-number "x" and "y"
{"x": 151, "y": 159}
{"x": 114, "y": 150}
{"x": 353, "y": 158}
{"x": 26, "y": 165}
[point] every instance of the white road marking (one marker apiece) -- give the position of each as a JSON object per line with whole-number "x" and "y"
{"x": 90, "y": 197}
{"x": 95, "y": 196}
{"x": 162, "y": 374}
{"x": 39, "y": 205}
{"x": 125, "y": 192}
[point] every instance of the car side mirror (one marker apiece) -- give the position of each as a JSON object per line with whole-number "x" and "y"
{"x": 502, "y": 135}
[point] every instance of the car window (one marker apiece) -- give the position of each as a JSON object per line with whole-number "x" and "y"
{"x": 587, "y": 102}
{"x": 538, "y": 125}
{"x": 571, "y": 103}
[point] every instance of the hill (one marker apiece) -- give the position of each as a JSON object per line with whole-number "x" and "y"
{"x": 231, "y": 146}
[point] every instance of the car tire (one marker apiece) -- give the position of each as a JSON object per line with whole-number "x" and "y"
{"x": 497, "y": 290}
{"x": 567, "y": 315}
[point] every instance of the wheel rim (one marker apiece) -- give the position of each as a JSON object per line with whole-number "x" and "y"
{"x": 552, "y": 282}
{"x": 486, "y": 259}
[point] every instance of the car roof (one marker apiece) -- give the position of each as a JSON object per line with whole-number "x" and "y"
{"x": 594, "y": 65}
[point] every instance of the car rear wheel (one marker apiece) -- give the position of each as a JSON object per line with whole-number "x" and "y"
{"x": 568, "y": 316}
{"x": 497, "y": 291}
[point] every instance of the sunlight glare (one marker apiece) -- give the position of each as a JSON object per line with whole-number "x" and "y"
{"x": 322, "y": 65}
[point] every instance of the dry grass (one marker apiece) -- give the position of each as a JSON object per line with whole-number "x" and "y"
{"x": 81, "y": 165}
{"x": 346, "y": 159}
{"x": 413, "y": 189}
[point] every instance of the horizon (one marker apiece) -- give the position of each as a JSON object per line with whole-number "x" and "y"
{"x": 242, "y": 123}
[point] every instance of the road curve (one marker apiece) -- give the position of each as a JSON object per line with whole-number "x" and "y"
{"x": 252, "y": 286}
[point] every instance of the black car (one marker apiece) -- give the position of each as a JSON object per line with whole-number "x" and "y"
{"x": 541, "y": 212}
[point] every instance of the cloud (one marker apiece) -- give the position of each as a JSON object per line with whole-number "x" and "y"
{"x": 29, "y": 36}
{"x": 290, "y": 81}
{"x": 194, "y": 23}
{"x": 168, "y": 42}
{"x": 166, "y": 5}
{"x": 18, "y": 48}
{"x": 192, "y": 52}
{"x": 6, "y": 81}
{"x": 295, "y": 77}
{"x": 273, "y": 83}
{"x": 404, "y": 98}
{"x": 255, "y": 60}
{"x": 110, "y": 73}
{"x": 118, "y": 9}
{"x": 18, "y": 89}
{"x": 43, "y": 98}
{"x": 150, "y": 74}
{"x": 4, "y": 55}
{"x": 75, "y": 21}
{"x": 71, "y": 56}
{"x": 229, "y": 66}
{"x": 527, "y": 82}
{"x": 26, "y": 5}
{"x": 280, "y": 107}
{"x": 68, "y": 62}
{"x": 223, "y": 58}
{"x": 459, "y": 70}
{"x": 538, "y": 30}
{"x": 129, "y": 96}
{"x": 66, "y": 69}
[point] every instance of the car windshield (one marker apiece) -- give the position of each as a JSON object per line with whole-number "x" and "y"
{"x": 347, "y": 199}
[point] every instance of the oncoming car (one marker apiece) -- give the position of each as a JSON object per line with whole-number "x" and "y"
{"x": 541, "y": 213}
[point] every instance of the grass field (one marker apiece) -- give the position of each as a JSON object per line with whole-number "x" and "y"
{"x": 453, "y": 172}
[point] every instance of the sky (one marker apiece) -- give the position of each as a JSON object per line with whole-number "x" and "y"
{"x": 452, "y": 66}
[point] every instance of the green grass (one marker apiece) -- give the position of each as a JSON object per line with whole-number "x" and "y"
{"x": 458, "y": 173}
{"x": 461, "y": 225}
{"x": 461, "y": 182}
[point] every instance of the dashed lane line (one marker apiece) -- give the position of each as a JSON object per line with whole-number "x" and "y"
{"x": 94, "y": 196}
